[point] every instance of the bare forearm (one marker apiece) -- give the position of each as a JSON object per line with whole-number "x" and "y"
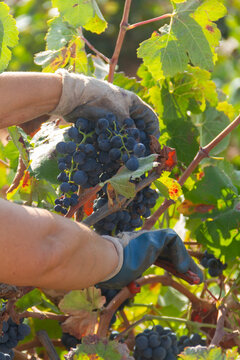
{"x": 25, "y": 96}
{"x": 42, "y": 249}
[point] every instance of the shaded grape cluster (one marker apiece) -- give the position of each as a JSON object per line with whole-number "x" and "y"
{"x": 192, "y": 341}
{"x": 157, "y": 343}
{"x": 129, "y": 219}
{"x": 69, "y": 341}
{"x": 215, "y": 266}
{"x": 12, "y": 333}
{"x": 95, "y": 152}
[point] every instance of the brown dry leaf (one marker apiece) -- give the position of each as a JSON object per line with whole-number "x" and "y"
{"x": 81, "y": 325}
{"x": 154, "y": 145}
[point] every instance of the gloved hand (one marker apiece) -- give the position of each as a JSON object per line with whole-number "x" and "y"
{"x": 139, "y": 250}
{"x": 87, "y": 97}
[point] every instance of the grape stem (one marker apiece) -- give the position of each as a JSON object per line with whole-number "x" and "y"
{"x": 91, "y": 47}
{"x": 106, "y": 210}
{"x": 202, "y": 153}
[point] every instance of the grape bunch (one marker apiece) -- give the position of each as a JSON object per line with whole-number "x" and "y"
{"x": 12, "y": 333}
{"x": 192, "y": 341}
{"x": 157, "y": 343}
{"x": 128, "y": 219}
{"x": 69, "y": 341}
{"x": 109, "y": 295}
{"x": 95, "y": 153}
{"x": 215, "y": 266}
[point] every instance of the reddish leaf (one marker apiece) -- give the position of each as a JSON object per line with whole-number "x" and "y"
{"x": 88, "y": 206}
{"x": 81, "y": 325}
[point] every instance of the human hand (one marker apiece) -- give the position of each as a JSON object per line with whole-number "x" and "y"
{"x": 90, "y": 98}
{"x": 142, "y": 249}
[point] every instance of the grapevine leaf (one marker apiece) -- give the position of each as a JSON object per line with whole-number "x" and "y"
{"x": 81, "y": 325}
{"x": 221, "y": 231}
{"x": 97, "y": 23}
{"x": 78, "y": 59}
{"x": 107, "y": 350}
{"x": 207, "y": 12}
{"x": 59, "y": 33}
{"x": 121, "y": 182}
{"x": 180, "y": 130}
{"x": 8, "y": 35}
{"x": 163, "y": 55}
{"x": 190, "y": 37}
{"x": 202, "y": 353}
{"x": 210, "y": 188}
{"x": 194, "y": 84}
{"x": 43, "y": 155}
{"x": 77, "y": 300}
{"x": 76, "y": 12}
{"x": 20, "y": 140}
{"x": 212, "y": 123}
{"x": 131, "y": 84}
{"x": 44, "y": 58}
{"x": 162, "y": 188}
{"x": 100, "y": 68}
{"x": 32, "y": 298}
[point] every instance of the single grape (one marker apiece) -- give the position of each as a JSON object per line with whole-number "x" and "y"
{"x": 80, "y": 177}
{"x": 132, "y": 164}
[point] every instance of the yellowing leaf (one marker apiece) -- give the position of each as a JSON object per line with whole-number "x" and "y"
{"x": 174, "y": 189}
{"x": 77, "y": 300}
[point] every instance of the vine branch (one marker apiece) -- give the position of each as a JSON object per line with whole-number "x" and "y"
{"x": 140, "y": 23}
{"x": 91, "y": 47}
{"x": 119, "y": 42}
{"x": 202, "y": 153}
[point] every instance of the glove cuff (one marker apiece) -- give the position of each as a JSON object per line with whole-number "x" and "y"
{"x": 72, "y": 88}
{"x": 119, "y": 249}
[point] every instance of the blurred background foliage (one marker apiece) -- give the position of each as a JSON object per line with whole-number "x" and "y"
{"x": 32, "y": 17}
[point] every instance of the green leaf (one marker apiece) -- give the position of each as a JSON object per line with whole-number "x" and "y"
{"x": 163, "y": 55}
{"x": 21, "y": 142}
{"x": 221, "y": 232}
{"x": 97, "y": 23}
{"x": 202, "y": 353}
{"x": 211, "y": 124}
{"x": 191, "y": 36}
{"x": 43, "y": 156}
{"x": 162, "y": 188}
{"x": 210, "y": 188}
{"x": 8, "y": 35}
{"x": 131, "y": 84}
{"x": 76, "y": 12}
{"x": 78, "y": 59}
{"x": 44, "y": 58}
{"x": 32, "y": 298}
{"x": 88, "y": 299}
{"x": 121, "y": 182}
{"x": 59, "y": 33}
{"x": 194, "y": 84}
{"x": 107, "y": 350}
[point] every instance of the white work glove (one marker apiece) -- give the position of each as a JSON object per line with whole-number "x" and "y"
{"x": 90, "y": 98}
